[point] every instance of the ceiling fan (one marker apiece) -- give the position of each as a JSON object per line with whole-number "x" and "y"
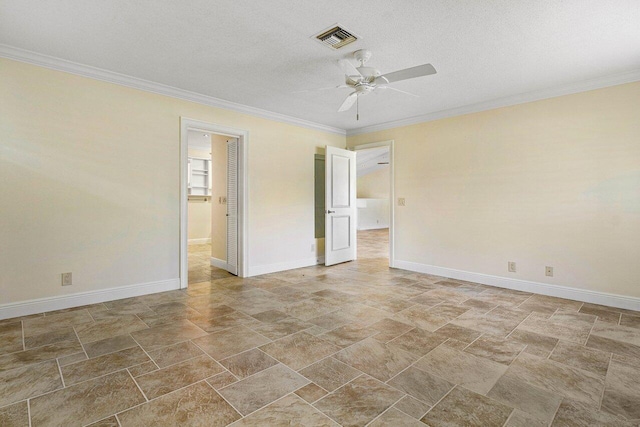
{"x": 364, "y": 80}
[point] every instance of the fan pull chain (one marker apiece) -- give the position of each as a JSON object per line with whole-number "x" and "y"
{"x": 357, "y": 108}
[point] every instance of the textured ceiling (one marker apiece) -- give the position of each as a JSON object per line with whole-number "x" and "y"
{"x": 259, "y": 53}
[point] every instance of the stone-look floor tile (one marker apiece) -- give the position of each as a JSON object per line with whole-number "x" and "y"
{"x": 625, "y": 334}
{"x": 29, "y": 381}
{"x": 514, "y": 392}
{"x": 40, "y": 354}
{"x": 558, "y": 378}
{"x": 176, "y": 376}
{"x": 330, "y": 373}
{"x": 101, "y": 365}
{"x": 536, "y": 344}
{"x": 616, "y": 347}
{"x": 64, "y": 334}
{"x": 496, "y": 349}
{"x": 217, "y": 324}
{"x": 630, "y": 321}
{"x": 418, "y": 316}
{"x": 575, "y": 414}
{"x": 604, "y": 313}
{"x": 143, "y": 368}
{"x": 109, "y": 345}
{"x": 311, "y": 392}
{"x": 379, "y": 360}
{"x": 347, "y": 335}
{"x": 310, "y": 308}
{"x": 52, "y": 323}
{"x": 16, "y": 415}
{"x": 412, "y": 406}
{"x": 282, "y": 328}
{"x": 562, "y": 326}
{"x": 11, "y": 337}
{"x": 522, "y": 419}
{"x": 417, "y": 342}
{"x": 458, "y": 333}
{"x": 109, "y": 328}
{"x": 248, "y": 363}
{"x": 358, "y": 402}
{"x": 72, "y": 358}
{"x": 455, "y": 344}
{"x": 332, "y": 320}
{"x": 270, "y": 316}
{"x": 557, "y": 303}
{"x": 394, "y": 418}
{"x": 262, "y": 388}
{"x": 221, "y": 345}
{"x": 421, "y": 385}
{"x": 107, "y": 422}
{"x": 389, "y": 329}
{"x": 86, "y": 402}
{"x": 299, "y": 350}
{"x": 475, "y": 373}
{"x": 162, "y": 336}
{"x": 196, "y": 405}
{"x": 581, "y": 357}
{"x": 462, "y": 407}
{"x": 175, "y": 353}
{"x": 223, "y": 379}
{"x": 288, "y": 411}
{"x": 622, "y": 391}
{"x": 496, "y": 322}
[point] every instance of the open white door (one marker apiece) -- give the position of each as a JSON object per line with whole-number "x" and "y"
{"x": 340, "y": 206}
{"x": 232, "y": 206}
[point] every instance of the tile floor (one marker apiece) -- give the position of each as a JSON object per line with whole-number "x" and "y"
{"x": 355, "y": 344}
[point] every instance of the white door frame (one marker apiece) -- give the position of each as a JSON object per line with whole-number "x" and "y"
{"x": 392, "y": 192}
{"x": 187, "y": 124}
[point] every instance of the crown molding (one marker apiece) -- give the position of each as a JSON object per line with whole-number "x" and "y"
{"x": 46, "y": 61}
{"x": 583, "y": 86}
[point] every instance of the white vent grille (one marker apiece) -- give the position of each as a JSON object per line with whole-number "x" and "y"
{"x": 336, "y": 37}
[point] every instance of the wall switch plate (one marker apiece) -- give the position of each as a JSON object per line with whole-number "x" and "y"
{"x": 548, "y": 271}
{"x": 313, "y": 247}
{"x": 401, "y": 201}
{"x": 511, "y": 266}
{"x": 66, "y": 279}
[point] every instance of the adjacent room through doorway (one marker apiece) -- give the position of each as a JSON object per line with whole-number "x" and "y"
{"x": 207, "y": 188}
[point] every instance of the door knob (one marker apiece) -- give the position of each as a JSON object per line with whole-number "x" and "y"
{"x": 331, "y": 212}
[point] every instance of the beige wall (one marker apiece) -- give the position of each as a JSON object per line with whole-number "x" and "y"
{"x": 374, "y": 185}
{"x": 89, "y": 183}
{"x": 199, "y": 221}
{"x": 553, "y": 182}
{"x": 219, "y": 189}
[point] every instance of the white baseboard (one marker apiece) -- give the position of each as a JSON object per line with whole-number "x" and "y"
{"x": 281, "y": 266}
{"x": 584, "y": 295}
{"x": 219, "y": 263}
{"x": 41, "y": 305}
{"x": 202, "y": 241}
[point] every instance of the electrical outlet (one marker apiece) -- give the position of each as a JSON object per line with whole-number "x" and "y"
{"x": 512, "y": 266}
{"x": 224, "y": 200}
{"x": 401, "y": 201}
{"x": 548, "y": 271}
{"x": 66, "y": 279}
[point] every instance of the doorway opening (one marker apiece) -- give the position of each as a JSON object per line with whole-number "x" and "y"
{"x": 213, "y": 202}
{"x": 375, "y": 195}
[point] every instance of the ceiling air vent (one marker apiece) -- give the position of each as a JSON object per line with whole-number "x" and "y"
{"x": 336, "y": 37}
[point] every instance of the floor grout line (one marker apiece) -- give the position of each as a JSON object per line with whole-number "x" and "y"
{"x": 29, "y": 410}
{"x": 138, "y": 385}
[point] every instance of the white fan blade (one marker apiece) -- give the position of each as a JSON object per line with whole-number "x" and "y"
{"x": 348, "y": 102}
{"x": 398, "y": 90}
{"x": 348, "y": 68}
{"x": 407, "y": 73}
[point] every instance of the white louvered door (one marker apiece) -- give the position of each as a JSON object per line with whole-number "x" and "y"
{"x": 232, "y": 206}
